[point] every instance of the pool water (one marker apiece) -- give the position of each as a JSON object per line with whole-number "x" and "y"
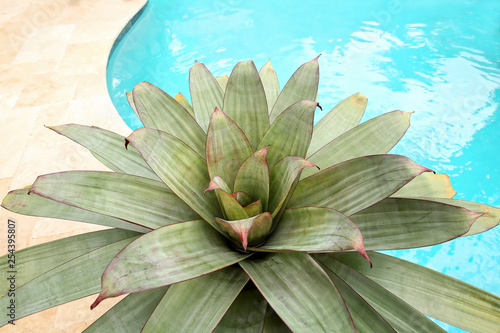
{"x": 438, "y": 58}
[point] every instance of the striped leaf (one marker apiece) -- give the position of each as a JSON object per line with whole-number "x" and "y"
{"x": 356, "y": 184}
{"x": 303, "y": 85}
{"x": 193, "y": 249}
{"x": 245, "y": 102}
{"x": 199, "y": 304}
{"x": 270, "y": 83}
{"x": 227, "y": 147}
{"x": 159, "y": 110}
{"x": 18, "y": 201}
{"x": 400, "y": 315}
{"x": 300, "y": 292}
{"x": 180, "y": 168}
{"x": 433, "y": 293}
{"x": 206, "y": 94}
{"x": 291, "y": 133}
{"x": 375, "y": 136}
{"x": 253, "y": 177}
{"x": 72, "y": 280}
{"x": 142, "y": 201}
{"x": 315, "y": 229}
{"x": 408, "y": 223}
{"x": 109, "y": 148}
{"x": 344, "y": 116}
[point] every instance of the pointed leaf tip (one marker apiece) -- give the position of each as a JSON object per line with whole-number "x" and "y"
{"x": 98, "y": 300}
{"x": 361, "y": 250}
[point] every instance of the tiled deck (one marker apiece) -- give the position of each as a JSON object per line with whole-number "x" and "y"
{"x": 53, "y": 58}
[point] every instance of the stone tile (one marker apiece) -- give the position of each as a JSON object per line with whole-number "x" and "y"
{"x": 40, "y": 322}
{"x": 52, "y": 71}
{"x": 47, "y": 89}
{"x": 97, "y": 111}
{"x": 91, "y": 85}
{"x": 14, "y": 137}
{"x": 46, "y": 43}
{"x": 76, "y": 316}
{"x": 85, "y": 58}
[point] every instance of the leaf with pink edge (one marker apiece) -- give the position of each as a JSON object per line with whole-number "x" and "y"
{"x": 226, "y": 149}
{"x": 303, "y": 85}
{"x": 356, "y": 184}
{"x": 193, "y": 249}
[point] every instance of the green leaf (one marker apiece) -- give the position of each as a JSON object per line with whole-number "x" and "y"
{"x": 193, "y": 249}
{"x": 108, "y": 148}
{"x": 222, "y": 81}
{"x": 33, "y": 261}
{"x": 300, "y": 292}
{"x": 365, "y": 317}
{"x": 72, "y": 280}
{"x": 356, "y": 184}
{"x": 270, "y": 83}
{"x": 199, "y": 304}
{"x": 243, "y": 198}
{"x": 281, "y": 181}
{"x": 250, "y": 231}
{"x": 291, "y": 133}
{"x": 180, "y": 168}
{"x": 489, "y": 219}
{"x": 344, "y": 116}
{"x": 253, "y": 177}
{"x": 142, "y": 201}
{"x": 206, "y": 94}
{"x": 185, "y": 103}
{"x": 246, "y": 314}
{"x": 303, "y": 85}
{"x": 375, "y": 136}
{"x": 130, "y": 314}
{"x": 398, "y": 313}
{"x": 245, "y": 102}
{"x": 315, "y": 229}
{"x": 433, "y": 293}
{"x": 408, "y": 223}
{"x": 436, "y": 185}
{"x": 159, "y": 110}
{"x": 130, "y": 100}
{"x": 227, "y": 147}
{"x": 18, "y": 201}
{"x": 230, "y": 206}
{"x": 254, "y": 208}
{"x": 273, "y": 323}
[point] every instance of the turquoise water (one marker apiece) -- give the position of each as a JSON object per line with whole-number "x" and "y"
{"x": 438, "y": 58}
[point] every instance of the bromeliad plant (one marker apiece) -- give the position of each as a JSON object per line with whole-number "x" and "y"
{"x": 221, "y": 219}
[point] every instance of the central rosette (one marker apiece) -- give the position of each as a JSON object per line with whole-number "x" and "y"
{"x": 252, "y": 196}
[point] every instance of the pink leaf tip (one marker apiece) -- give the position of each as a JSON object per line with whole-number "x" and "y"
{"x": 98, "y": 300}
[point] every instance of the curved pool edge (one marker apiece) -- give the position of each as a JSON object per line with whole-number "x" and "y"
{"x": 124, "y": 31}
{"x": 119, "y": 37}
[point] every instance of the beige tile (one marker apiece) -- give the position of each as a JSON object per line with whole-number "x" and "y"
{"x": 85, "y": 58}
{"x": 91, "y": 85}
{"x": 45, "y": 43}
{"x": 47, "y": 89}
{"x": 97, "y": 111}
{"x": 41, "y": 322}
{"x": 14, "y": 137}
{"x": 52, "y": 71}
{"x": 76, "y": 316}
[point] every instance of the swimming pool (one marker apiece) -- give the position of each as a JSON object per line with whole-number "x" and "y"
{"x": 440, "y": 60}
